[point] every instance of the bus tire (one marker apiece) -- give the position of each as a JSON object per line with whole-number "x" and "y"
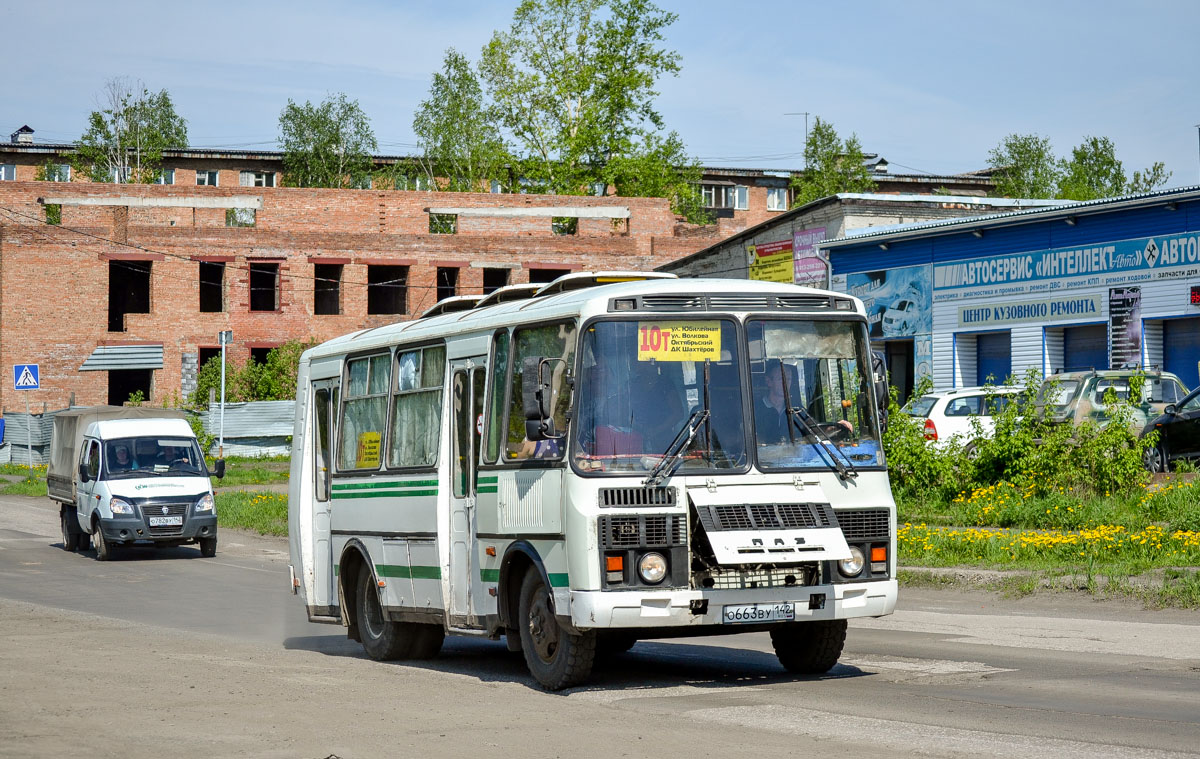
{"x": 556, "y": 658}
{"x": 809, "y": 648}
{"x": 70, "y": 536}
{"x": 427, "y": 641}
{"x": 383, "y": 639}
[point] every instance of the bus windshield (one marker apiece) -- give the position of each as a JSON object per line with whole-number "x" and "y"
{"x": 643, "y": 384}
{"x": 810, "y": 381}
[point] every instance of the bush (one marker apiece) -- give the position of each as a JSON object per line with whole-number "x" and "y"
{"x": 274, "y": 380}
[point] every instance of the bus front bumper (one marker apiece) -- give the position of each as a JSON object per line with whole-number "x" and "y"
{"x": 701, "y": 608}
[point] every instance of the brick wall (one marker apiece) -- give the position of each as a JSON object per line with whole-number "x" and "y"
{"x": 54, "y": 280}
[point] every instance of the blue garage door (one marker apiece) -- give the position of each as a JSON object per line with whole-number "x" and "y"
{"x": 993, "y": 353}
{"x": 1085, "y": 348}
{"x": 1181, "y": 349}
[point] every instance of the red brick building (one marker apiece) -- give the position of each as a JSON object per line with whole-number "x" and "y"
{"x": 118, "y": 288}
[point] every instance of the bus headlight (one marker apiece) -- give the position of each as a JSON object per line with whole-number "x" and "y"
{"x": 205, "y": 504}
{"x": 853, "y": 566}
{"x": 653, "y": 568}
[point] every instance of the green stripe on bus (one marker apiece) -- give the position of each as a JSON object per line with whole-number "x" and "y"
{"x": 486, "y": 489}
{"x": 489, "y": 575}
{"x": 384, "y": 494}
{"x": 383, "y": 484}
{"x": 488, "y": 480}
{"x": 558, "y": 580}
{"x": 415, "y": 572}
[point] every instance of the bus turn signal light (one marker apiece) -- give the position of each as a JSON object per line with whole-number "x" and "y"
{"x": 614, "y": 563}
{"x": 878, "y": 553}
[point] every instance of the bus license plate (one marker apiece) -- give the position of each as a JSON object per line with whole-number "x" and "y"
{"x": 751, "y": 613}
{"x": 166, "y": 521}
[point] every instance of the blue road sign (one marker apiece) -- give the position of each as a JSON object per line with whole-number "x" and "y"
{"x": 25, "y": 376}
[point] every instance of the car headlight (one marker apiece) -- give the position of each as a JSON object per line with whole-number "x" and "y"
{"x": 653, "y": 568}
{"x": 852, "y": 566}
{"x": 205, "y": 504}
{"x": 120, "y": 506}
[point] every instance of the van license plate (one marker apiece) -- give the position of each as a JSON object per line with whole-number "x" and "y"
{"x": 166, "y": 521}
{"x": 751, "y": 613}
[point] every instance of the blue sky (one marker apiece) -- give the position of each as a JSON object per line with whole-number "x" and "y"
{"x": 931, "y": 86}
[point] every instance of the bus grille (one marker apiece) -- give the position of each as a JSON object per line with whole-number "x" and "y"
{"x": 739, "y": 302}
{"x": 864, "y": 525}
{"x": 757, "y": 577}
{"x": 766, "y": 516}
{"x": 633, "y": 531}
{"x": 623, "y": 497}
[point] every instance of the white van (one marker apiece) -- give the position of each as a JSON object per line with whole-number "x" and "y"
{"x": 133, "y": 481}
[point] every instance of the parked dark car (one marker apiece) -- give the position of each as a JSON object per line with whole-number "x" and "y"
{"x": 1178, "y": 434}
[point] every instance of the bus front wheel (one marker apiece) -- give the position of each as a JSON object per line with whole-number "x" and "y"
{"x": 385, "y": 639}
{"x": 809, "y": 648}
{"x": 556, "y": 658}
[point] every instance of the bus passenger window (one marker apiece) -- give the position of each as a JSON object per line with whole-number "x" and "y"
{"x": 549, "y": 341}
{"x": 499, "y": 377}
{"x": 364, "y": 411}
{"x": 417, "y": 407}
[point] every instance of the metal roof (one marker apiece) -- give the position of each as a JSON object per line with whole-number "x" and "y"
{"x": 1063, "y": 210}
{"x": 110, "y": 357}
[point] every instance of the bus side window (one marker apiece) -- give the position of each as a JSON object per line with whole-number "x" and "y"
{"x": 321, "y": 444}
{"x": 364, "y": 410}
{"x": 549, "y": 341}
{"x": 499, "y": 386}
{"x": 417, "y": 407}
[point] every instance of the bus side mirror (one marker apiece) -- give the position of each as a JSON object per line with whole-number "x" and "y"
{"x": 219, "y": 469}
{"x": 536, "y": 397}
{"x": 879, "y": 377}
{"x": 83, "y": 473}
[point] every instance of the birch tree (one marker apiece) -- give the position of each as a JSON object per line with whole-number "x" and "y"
{"x": 125, "y": 138}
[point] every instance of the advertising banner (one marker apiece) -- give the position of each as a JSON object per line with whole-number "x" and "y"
{"x": 897, "y": 300}
{"x": 1124, "y": 262}
{"x": 1125, "y": 326}
{"x": 1048, "y": 310}
{"x": 771, "y": 261}
{"x": 810, "y": 268}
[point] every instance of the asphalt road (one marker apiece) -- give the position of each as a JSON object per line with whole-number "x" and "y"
{"x": 165, "y": 653}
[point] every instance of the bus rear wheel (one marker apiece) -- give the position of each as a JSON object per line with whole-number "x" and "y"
{"x": 385, "y": 639}
{"x": 556, "y": 657}
{"x": 809, "y": 648}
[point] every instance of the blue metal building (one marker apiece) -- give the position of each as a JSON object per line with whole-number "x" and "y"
{"x": 1101, "y": 284}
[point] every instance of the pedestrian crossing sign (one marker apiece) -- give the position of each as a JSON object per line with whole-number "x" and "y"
{"x": 25, "y": 376}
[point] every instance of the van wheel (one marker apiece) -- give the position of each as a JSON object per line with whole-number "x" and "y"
{"x": 208, "y": 547}
{"x": 809, "y": 648}
{"x": 104, "y": 549}
{"x": 85, "y": 541}
{"x": 556, "y": 658}
{"x": 383, "y": 639}
{"x": 70, "y": 537}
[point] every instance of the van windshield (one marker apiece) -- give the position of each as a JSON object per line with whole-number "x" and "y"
{"x": 140, "y": 456}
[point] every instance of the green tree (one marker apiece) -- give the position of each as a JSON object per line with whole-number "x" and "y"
{"x": 1093, "y": 171}
{"x": 1025, "y": 167}
{"x": 1149, "y": 179}
{"x": 833, "y": 166}
{"x": 274, "y": 380}
{"x": 572, "y": 82}
{"x": 660, "y": 168}
{"x": 458, "y": 138}
{"x": 326, "y": 145}
{"x": 124, "y": 141}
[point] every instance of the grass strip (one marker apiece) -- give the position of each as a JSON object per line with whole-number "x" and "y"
{"x": 264, "y": 513}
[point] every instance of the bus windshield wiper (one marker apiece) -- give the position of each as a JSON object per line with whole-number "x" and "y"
{"x": 805, "y": 422}
{"x": 674, "y": 453}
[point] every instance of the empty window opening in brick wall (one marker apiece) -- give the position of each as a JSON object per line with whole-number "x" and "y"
{"x": 387, "y": 289}
{"x": 240, "y": 217}
{"x": 122, "y": 383}
{"x": 264, "y": 287}
{"x": 212, "y": 286}
{"x": 447, "y": 282}
{"x": 494, "y": 279}
{"x": 128, "y": 291}
{"x": 443, "y": 224}
{"x": 327, "y": 289}
{"x": 259, "y": 355}
{"x": 546, "y": 275}
{"x": 204, "y": 355}
{"x": 564, "y": 225}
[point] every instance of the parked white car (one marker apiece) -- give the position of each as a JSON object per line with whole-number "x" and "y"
{"x": 948, "y": 413}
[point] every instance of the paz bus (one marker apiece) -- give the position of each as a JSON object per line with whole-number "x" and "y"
{"x": 602, "y": 459}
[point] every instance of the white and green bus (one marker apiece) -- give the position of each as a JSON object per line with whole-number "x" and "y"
{"x": 602, "y": 459}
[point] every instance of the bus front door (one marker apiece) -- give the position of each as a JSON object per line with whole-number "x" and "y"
{"x": 467, "y": 398}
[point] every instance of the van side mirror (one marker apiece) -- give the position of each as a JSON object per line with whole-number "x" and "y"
{"x": 83, "y": 473}
{"x": 219, "y": 469}
{"x": 536, "y": 397}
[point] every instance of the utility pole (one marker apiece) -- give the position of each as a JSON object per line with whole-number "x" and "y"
{"x": 225, "y": 337}
{"x": 805, "y": 114}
